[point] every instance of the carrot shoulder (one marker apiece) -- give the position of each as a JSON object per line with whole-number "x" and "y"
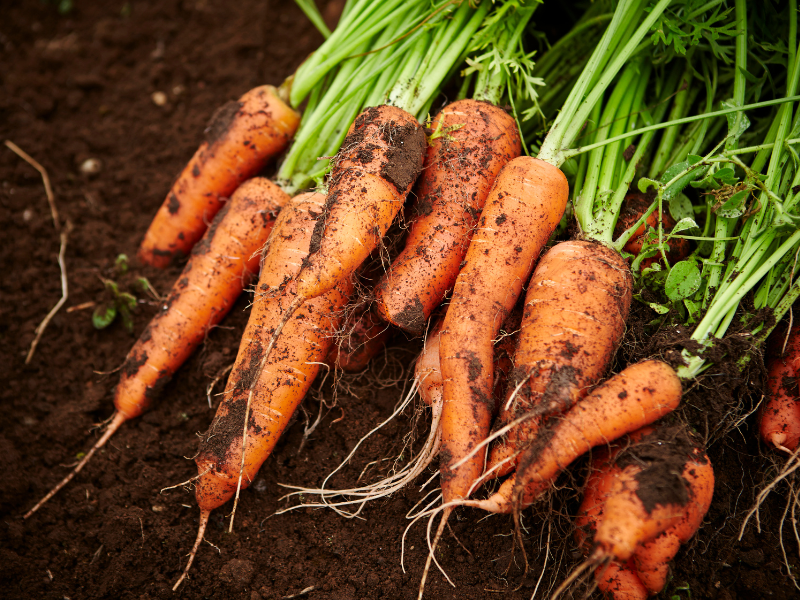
{"x": 379, "y": 161}
{"x": 523, "y": 208}
{"x": 240, "y": 139}
{"x": 472, "y": 141}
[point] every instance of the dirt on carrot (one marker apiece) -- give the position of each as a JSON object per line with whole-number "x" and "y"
{"x": 78, "y": 86}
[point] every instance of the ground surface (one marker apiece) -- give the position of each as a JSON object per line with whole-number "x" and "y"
{"x": 80, "y": 86}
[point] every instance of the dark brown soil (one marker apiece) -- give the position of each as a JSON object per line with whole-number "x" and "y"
{"x": 80, "y": 86}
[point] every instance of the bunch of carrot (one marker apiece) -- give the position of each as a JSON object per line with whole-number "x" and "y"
{"x": 482, "y": 216}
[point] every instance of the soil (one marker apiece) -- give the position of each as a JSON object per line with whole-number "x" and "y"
{"x": 80, "y": 86}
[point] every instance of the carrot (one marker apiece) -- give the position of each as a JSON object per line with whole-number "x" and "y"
{"x": 379, "y": 161}
{"x": 633, "y": 207}
{"x": 575, "y": 310}
{"x": 635, "y": 397}
{"x": 240, "y": 139}
{"x": 363, "y": 336}
{"x": 472, "y": 141}
{"x": 264, "y": 391}
{"x": 642, "y": 501}
{"x": 219, "y": 268}
{"x": 780, "y": 415}
{"x": 523, "y": 208}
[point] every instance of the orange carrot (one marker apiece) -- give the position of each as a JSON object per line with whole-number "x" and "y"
{"x": 638, "y": 396}
{"x": 264, "y": 391}
{"x": 379, "y": 161}
{"x": 472, "y": 142}
{"x": 522, "y": 210}
{"x": 780, "y": 415}
{"x": 575, "y": 310}
{"x": 634, "y": 206}
{"x": 240, "y": 139}
{"x": 370, "y": 178}
{"x": 219, "y": 268}
{"x": 642, "y": 502}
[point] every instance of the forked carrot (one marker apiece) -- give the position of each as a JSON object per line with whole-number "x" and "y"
{"x": 219, "y": 268}
{"x": 264, "y": 391}
{"x": 240, "y": 139}
{"x": 780, "y": 415}
{"x": 472, "y": 141}
{"x": 642, "y": 501}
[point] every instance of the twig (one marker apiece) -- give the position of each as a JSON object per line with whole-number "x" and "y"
{"x": 64, "y": 292}
{"x": 64, "y": 235}
{"x": 45, "y": 179}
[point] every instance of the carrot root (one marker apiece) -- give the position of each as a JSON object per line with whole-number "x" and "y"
{"x": 201, "y": 530}
{"x": 115, "y": 424}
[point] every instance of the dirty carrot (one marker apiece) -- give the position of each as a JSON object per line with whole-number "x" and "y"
{"x": 642, "y": 502}
{"x": 470, "y": 142}
{"x": 220, "y": 266}
{"x": 780, "y": 415}
{"x": 240, "y": 139}
{"x": 363, "y": 336}
{"x": 575, "y": 311}
{"x": 637, "y": 396}
{"x": 264, "y": 394}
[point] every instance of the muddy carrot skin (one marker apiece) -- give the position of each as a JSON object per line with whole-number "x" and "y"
{"x": 575, "y": 311}
{"x": 240, "y": 139}
{"x": 642, "y": 502}
{"x": 221, "y": 264}
{"x": 522, "y": 210}
{"x": 780, "y": 415}
{"x": 370, "y": 179}
{"x": 639, "y": 395}
{"x": 219, "y": 268}
{"x": 288, "y": 372}
{"x": 472, "y": 140}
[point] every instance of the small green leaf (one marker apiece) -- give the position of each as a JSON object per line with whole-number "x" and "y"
{"x": 680, "y": 207}
{"x": 735, "y": 130}
{"x": 683, "y": 225}
{"x": 683, "y": 280}
{"x": 693, "y": 159}
{"x": 659, "y": 308}
{"x": 127, "y": 300}
{"x": 726, "y": 176}
{"x": 693, "y": 308}
{"x": 645, "y": 184}
{"x": 104, "y": 315}
{"x": 734, "y": 207}
{"x": 121, "y": 264}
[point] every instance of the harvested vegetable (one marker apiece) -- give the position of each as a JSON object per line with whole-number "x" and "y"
{"x": 220, "y": 267}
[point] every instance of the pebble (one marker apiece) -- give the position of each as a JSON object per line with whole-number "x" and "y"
{"x": 91, "y": 166}
{"x": 159, "y": 98}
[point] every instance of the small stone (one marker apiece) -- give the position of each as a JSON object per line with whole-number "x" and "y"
{"x": 27, "y": 215}
{"x": 158, "y": 508}
{"x": 91, "y": 166}
{"x": 159, "y": 98}
{"x": 178, "y": 90}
